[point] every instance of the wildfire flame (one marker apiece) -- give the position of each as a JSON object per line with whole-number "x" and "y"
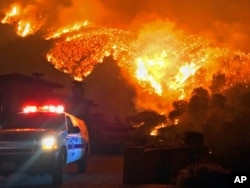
{"x": 80, "y": 47}
{"x": 161, "y": 61}
{"x": 11, "y": 14}
{"x": 26, "y": 23}
{"x": 163, "y": 64}
{"x": 65, "y": 30}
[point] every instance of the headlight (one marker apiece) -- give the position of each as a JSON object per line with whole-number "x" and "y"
{"x": 49, "y": 143}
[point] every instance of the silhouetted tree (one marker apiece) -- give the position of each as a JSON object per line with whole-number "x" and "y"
{"x": 218, "y": 101}
{"x": 218, "y": 109}
{"x": 144, "y": 122}
{"x": 216, "y": 116}
{"x": 199, "y": 100}
{"x": 244, "y": 102}
{"x": 218, "y": 83}
{"x": 198, "y": 106}
{"x": 228, "y": 125}
{"x": 234, "y": 94}
{"x": 180, "y": 107}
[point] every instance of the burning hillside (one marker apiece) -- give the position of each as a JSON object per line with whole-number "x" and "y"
{"x": 161, "y": 61}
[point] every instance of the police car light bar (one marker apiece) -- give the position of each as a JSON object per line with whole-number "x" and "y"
{"x": 46, "y": 108}
{"x": 28, "y": 109}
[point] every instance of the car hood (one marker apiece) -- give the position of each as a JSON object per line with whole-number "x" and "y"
{"x": 24, "y": 134}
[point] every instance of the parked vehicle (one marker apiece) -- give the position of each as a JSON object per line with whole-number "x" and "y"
{"x": 41, "y": 140}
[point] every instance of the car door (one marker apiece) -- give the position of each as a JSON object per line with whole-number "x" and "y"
{"x": 73, "y": 141}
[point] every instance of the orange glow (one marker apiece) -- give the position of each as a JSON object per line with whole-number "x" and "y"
{"x": 148, "y": 71}
{"x": 80, "y": 48}
{"x": 183, "y": 74}
{"x": 24, "y": 28}
{"x": 176, "y": 121}
{"x": 10, "y": 15}
{"x": 162, "y": 67}
{"x": 74, "y": 28}
{"x": 27, "y": 20}
{"x": 155, "y": 131}
{"x": 161, "y": 61}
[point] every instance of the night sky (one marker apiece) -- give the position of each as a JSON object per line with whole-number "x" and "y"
{"x": 225, "y": 21}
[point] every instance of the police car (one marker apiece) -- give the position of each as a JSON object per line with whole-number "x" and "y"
{"x": 41, "y": 140}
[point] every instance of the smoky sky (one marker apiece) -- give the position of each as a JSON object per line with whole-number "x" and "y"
{"x": 226, "y": 21}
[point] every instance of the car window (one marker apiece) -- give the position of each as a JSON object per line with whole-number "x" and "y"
{"x": 71, "y": 127}
{"x": 38, "y": 120}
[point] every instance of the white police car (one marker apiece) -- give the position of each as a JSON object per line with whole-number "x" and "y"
{"x": 41, "y": 140}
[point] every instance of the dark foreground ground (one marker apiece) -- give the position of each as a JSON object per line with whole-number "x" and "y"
{"x": 104, "y": 171}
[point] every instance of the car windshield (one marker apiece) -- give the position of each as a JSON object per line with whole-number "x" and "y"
{"x": 37, "y": 120}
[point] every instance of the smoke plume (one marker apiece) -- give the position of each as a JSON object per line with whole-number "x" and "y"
{"x": 222, "y": 20}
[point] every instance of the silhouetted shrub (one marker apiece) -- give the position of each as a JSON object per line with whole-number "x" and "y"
{"x": 202, "y": 175}
{"x": 193, "y": 138}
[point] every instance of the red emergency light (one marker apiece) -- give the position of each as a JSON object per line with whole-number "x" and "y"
{"x": 28, "y": 109}
{"x": 45, "y": 108}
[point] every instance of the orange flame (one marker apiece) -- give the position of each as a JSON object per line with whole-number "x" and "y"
{"x": 163, "y": 66}
{"x": 11, "y": 14}
{"x": 24, "y": 28}
{"x": 81, "y": 47}
{"x": 26, "y": 20}
{"x": 160, "y": 61}
{"x": 76, "y": 27}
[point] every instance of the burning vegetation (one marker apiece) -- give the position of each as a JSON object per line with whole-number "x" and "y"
{"x": 161, "y": 61}
{"x": 190, "y": 80}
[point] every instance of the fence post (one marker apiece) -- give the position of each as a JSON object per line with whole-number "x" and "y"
{"x": 133, "y": 164}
